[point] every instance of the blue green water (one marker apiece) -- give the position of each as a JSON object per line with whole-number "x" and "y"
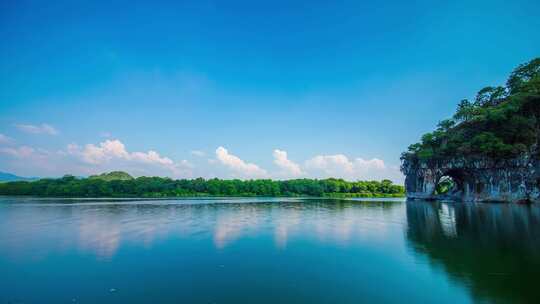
{"x": 267, "y": 251}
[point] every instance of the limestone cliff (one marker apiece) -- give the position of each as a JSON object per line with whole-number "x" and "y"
{"x": 476, "y": 179}
{"x": 489, "y": 150}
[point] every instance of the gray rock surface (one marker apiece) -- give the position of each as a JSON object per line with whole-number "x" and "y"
{"x": 476, "y": 179}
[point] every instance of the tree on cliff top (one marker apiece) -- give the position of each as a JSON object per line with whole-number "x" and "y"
{"x": 501, "y": 122}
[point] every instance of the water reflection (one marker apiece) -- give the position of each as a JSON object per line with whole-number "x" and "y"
{"x": 319, "y": 251}
{"x": 494, "y": 249}
{"x": 285, "y": 225}
{"x": 102, "y": 228}
{"x": 234, "y": 222}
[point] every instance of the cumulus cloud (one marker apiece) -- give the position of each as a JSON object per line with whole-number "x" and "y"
{"x": 319, "y": 166}
{"x": 112, "y": 154}
{"x": 288, "y": 167}
{"x": 89, "y": 159}
{"x": 19, "y": 152}
{"x": 5, "y": 140}
{"x": 330, "y": 164}
{"x": 114, "y": 150}
{"x": 39, "y": 129}
{"x": 101, "y": 153}
{"x": 151, "y": 157}
{"x": 339, "y": 165}
{"x": 238, "y": 166}
{"x": 26, "y": 160}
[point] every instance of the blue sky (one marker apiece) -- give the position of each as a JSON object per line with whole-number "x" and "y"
{"x": 342, "y": 87}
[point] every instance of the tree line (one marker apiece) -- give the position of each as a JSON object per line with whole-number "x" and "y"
{"x": 70, "y": 186}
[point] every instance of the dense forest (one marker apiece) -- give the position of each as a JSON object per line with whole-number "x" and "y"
{"x": 501, "y": 122}
{"x": 121, "y": 184}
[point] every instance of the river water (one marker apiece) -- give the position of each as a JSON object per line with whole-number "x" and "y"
{"x": 275, "y": 250}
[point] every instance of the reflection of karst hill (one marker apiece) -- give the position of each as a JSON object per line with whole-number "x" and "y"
{"x": 476, "y": 245}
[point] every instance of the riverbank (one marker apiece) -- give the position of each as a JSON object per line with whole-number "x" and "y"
{"x": 121, "y": 184}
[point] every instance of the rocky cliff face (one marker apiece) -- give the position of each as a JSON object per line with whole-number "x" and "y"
{"x": 475, "y": 179}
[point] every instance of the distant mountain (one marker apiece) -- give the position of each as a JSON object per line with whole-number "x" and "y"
{"x": 115, "y": 175}
{"x": 8, "y": 177}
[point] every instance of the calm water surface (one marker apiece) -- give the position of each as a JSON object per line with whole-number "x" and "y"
{"x": 267, "y": 251}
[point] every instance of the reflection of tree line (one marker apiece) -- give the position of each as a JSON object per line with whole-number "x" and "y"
{"x": 494, "y": 249}
{"x": 101, "y": 227}
{"x": 316, "y": 217}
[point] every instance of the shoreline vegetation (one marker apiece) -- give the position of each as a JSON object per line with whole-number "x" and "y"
{"x": 501, "y": 123}
{"x": 121, "y": 185}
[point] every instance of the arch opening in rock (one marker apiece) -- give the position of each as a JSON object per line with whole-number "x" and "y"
{"x": 450, "y": 185}
{"x": 446, "y": 184}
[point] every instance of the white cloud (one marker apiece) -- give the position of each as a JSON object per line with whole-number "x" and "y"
{"x": 19, "y": 152}
{"x": 112, "y": 154}
{"x": 288, "y": 167}
{"x": 115, "y": 151}
{"x": 341, "y": 166}
{"x": 106, "y": 151}
{"x": 5, "y": 140}
{"x": 373, "y": 163}
{"x": 238, "y": 166}
{"x": 331, "y": 164}
{"x": 26, "y": 160}
{"x": 41, "y": 129}
{"x": 198, "y": 153}
{"x": 151, "y": 157}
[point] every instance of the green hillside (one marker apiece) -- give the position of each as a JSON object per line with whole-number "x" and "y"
{"x": 111, "y": 176}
